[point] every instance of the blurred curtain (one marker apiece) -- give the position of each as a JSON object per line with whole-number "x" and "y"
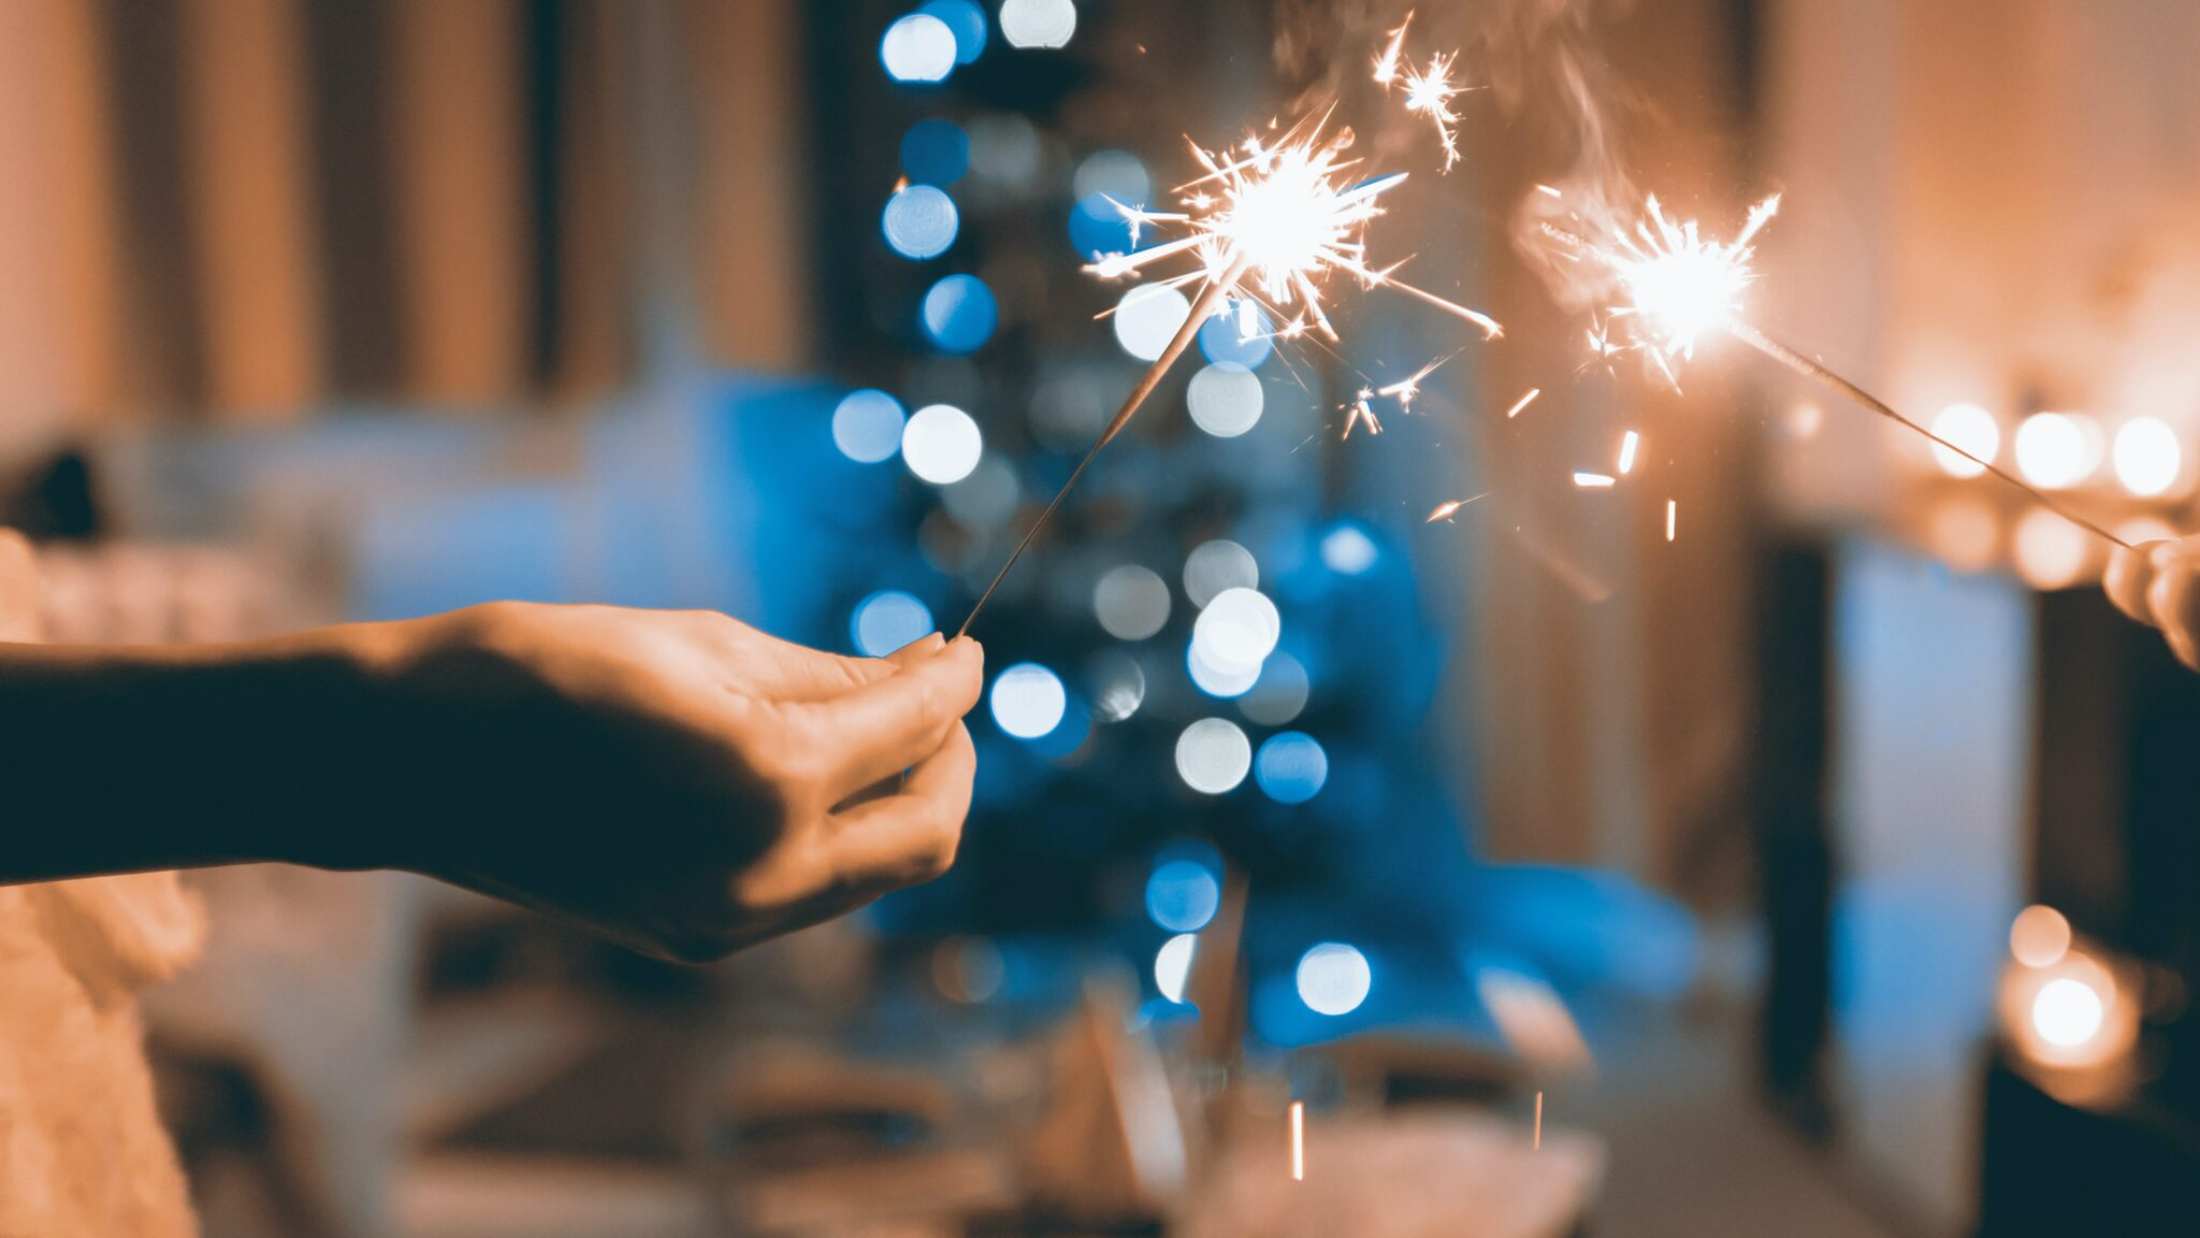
{"x": 241, "y": 210}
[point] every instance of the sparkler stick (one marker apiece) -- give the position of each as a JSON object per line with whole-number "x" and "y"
{"x": 1808, "y": 368}
{"x": 1201, "y": 310}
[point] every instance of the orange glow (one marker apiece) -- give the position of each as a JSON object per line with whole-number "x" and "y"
{"x": 2039, "y": 936}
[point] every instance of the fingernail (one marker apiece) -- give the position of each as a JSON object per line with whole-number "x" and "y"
{"x": 932, "y": 641}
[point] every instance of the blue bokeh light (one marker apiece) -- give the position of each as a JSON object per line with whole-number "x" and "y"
{"x": 888, "y": 620}
{"x": 920, "y": 221}
{"x": 1182, "y": 895}
{"x": 1098, "y": 226}
{"x": 935, "y": 152}
{"x": 1291, "y": 767}
{"x": 1222, "y": 338}
{"x": 918, "y": 49}
{"x": 1347, "y": 549}
{"x": 960, "y": 314}
{"x": 966, "y": 20}
{"x": 867, "y": 426}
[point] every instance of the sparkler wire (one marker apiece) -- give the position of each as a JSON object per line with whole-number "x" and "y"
{"x": 1811, "y": 369}
{"x": 1202, "y": 309}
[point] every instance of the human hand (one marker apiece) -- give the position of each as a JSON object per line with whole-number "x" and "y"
{"x": 2159, "y": 583}
{"x": 18, "y": 588}
{"x": 677, "y": 780}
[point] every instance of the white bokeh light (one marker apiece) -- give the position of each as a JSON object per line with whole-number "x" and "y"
{"x": 2055, "y": 450}
{"x": 1116, "y": 173}
{"x": 1028, "y": 700}
{"x": 2147, "y": 456}
{"x": 1334, "y": 978}
{"x": 1213, "y": 756}
{"x": 1225, "y": 682}
{"x": 1146, "y": 317}
{"x": 1348, "y": 550}
{"x": 1118, "y": 686}
{"x": 867, "y": 426}
{"x": 1974, "y": 430}
{"x": 918, "y": 48}
{"x": 2051, "y": 553}
{"x": 1038, "y": 23}
{"x": 1237, "y": 631}
{"x": 1131, "y": 602}
{"x": 1225, "y": 399}
{"x": 1218, "y": 565}
{"x": 986, "y": 497}
{"x": 1172, "y": 965}
{"x": 941, "y": 444}
{"x": 2067, "y": 1012}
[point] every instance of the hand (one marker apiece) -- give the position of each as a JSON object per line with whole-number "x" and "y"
{"x": 2159, "y": 583}
{"x": 675, "y": 779}
{"x": 18, "y": 588}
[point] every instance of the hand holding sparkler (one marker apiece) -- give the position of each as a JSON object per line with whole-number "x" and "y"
{"x": 2158, "y": 583}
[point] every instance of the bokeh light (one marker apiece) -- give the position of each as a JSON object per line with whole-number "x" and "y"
{"x": 1225, "y": 399}
{"x": 1182, "y": 895}
{"x": 1237, "y": 631}
{"x": 1097, "y": 228}
{"x": 1279, "y": 694}
{"x": 1239, "y": 333}
{"x": 959, "y": 314}
{"x": 985, "y": 498}
{"x": 1291, "y": 767}
{"x": 966, "y": 20}
{"x": 1218, "y": 565}
{"x": 1225, "y": 681}
{"x": 919, "y": 222}
{"x": 2039, "y": 936}
{"x": 1334, "y": 978}
{"x": 1131, "y": 602}
{"x": 1038, "y": 23}
{"x": 867, "y": 426}
{"x": 1118, "y": 685}
{"x": 1004, "y": 149}
{"x": 1028, "y": 700}
{"x": 941, "y": 444}
{"x": 2147, "y": 456}
{"x": 2066, "y": 1012}
{"x": 1172, "y": 965}
{"x": 1347, "y": 550}
{"x": 935, "y": 152}
{"x": 888, "y": 620}
{"x": 1147, "y": 317}
{"x": 1974, "y": 430}
{"x": 1213, "y": 756}
{"x": 2051, "y": 552}
{"x": 1116, "y": 174}
{"x": 2055, "y": 450}
{"x": 918, "y": 49}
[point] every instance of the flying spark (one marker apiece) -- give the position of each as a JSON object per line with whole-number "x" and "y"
{"x": 1538, "y": 1145}
{"x": 1672, "y": 512}
{"x": 1386, "y": 61}
{"x": 1361, "y": 409}
{"x": 1406, "y": 389}
{"x": 1450, "y": 507}
{"x": 1594, "y": 481}
{"x": 1430, "y": 92}
{"x": 1298, "y": 1141}
{"x": 1627, "y": 446}
{"x": 1523, "y": 402}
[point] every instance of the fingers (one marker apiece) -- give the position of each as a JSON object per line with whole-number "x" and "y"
{"x": 882, "y": 728}
{"x": 2173, "y": 600}
{"x": 910, "y": 837}
{"x": 2129, "y": 574}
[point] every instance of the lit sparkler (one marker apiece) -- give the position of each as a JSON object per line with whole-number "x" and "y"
{"x": 1673, "y": 286}
{"x": 1428, "y": 92}
{"x": 1268, "y": 223}
{"x": 1387, "y": 60}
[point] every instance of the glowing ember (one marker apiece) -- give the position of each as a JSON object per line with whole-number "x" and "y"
{"x": 1450, "y": 507}
{"x": 1523, "y": 402}
{"x": 1298, "y": 1141}
{"x": 1594, "y": 481}
{"x": 1672, "y": 513}
{"x": 1627, "y": 446}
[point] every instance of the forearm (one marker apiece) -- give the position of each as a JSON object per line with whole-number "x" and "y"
{"x": 124, "y": 759}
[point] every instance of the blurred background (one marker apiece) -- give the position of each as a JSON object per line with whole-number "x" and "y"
{"x": 1788, "y": 838}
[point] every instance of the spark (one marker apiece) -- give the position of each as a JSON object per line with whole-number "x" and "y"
{"x": 1386, "y": 61}
{"x": 1450, "y": 507}
{"x": 1361, "y": 409}
{"x": 1672, "y": 513}
{"x": 1538, "y": 1145}
{"x": 1298, "y": 1141}
{"x": 1523, "y": 402}
{"x": 1594, "y": 481}
{"x": 1430, "y": 92}
{"x": 1406, "y": 389}
{"x": 1627, "y": 446}
{"x": 1282, "y": 214}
